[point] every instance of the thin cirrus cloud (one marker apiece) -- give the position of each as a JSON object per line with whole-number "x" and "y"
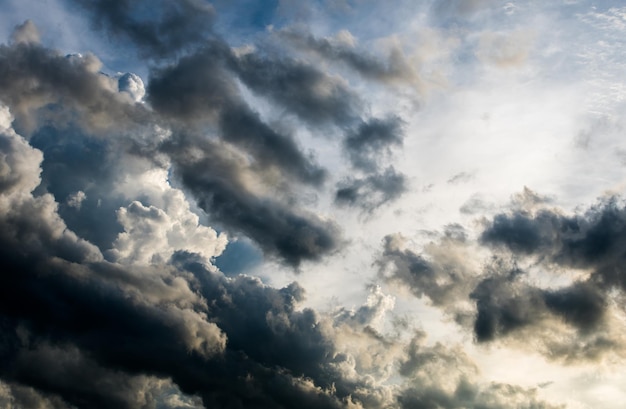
{"x": 259, "y": 150}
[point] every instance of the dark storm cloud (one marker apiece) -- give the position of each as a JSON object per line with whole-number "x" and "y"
{"x": 35, "y": 81}
{"x": 196, "y": 87}
{"x": 373, "y": 191}
{"x": 504, "y": 304}
{"x": 118, "y": 333}
{"x": 507, "y": 304}
{"x": 244, "y": 128}
{"x": 300, "y": 88}
{"x": 104, "y": 335}
{"x": 72, "y": 161}
{"x": 93, "y": 327}
{"x": 161, "y": 28}
{"x": 523, "y": 233}
{"x": 582, "y": 305}
{"x": 509, "y": 307}
{"x": 41, "y": 86}
{"x": 79, "y": 331}
{"x": 368, "y": 144}
{"x": 279, "y": 229}
{"x": 593, "y": 240}
{"x": 199, "y": 88}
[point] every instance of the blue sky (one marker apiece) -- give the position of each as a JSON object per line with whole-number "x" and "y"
{"x": 334, "y": 203}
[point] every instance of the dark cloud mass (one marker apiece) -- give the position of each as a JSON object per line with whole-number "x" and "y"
{"x": 110, "y": 294}
{"x": 300, "y": 88}
{"x": 278, "y": 229}
{"x": 369, "y": 143}
{"x": 571, "y": 322}
{"x": 161, "y": 28}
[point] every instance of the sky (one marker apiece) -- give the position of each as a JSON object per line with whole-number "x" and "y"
{"x": 312, "y": 204}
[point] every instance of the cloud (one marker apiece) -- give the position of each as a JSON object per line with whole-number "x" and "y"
{"x": 35, "y": 81}
{"x": 397, "y": 69}
{"x": 159, "y": 29}
{"x": 372, "y": 191}
{"x": 498, "y": 300}
{"x": 78, "y": 101}
{"x": 446, "y": 379}
{"x": 116, "y": 198}
{"x": 133, "y": 85}
{"x": 110, "y": 335}
{"x": 299, "y": 88}
{"x": 200, "y": 88}
{"x": 219, "y": 185}
{"x": 367, "y": 145}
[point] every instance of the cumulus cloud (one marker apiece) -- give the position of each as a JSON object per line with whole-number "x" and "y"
{"x": 220, "y": 187}
{"x": 133, "y": 85}
{"x": 116, "y": 197}
{"x": 495, "y": 296}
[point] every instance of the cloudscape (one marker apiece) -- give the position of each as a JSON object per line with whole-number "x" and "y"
{"x": 312, "y": 204}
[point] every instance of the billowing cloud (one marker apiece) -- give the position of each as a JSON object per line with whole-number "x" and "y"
{"x": 497, "y": 299}
{"x": 146, "y": 146}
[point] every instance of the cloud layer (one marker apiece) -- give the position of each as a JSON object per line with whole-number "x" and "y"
{"x": 354, "y": 169}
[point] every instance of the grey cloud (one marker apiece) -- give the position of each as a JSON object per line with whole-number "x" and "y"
{"x": 592, "y": 240}
{"x": 72, "y": 162}
{"x": 445, "y": 377}
{"x": 299, "y": 88}
{"x": 40, "y": 84}
{"x": 581, "y": 304}
{"x": 161, "y": 28}
{"x": 244, "y": 128}
{"x": 108, "y": 322}
{"x": 498, "y": 301}
{"x": 277, "y": 228}
{"x": 368, "y": 144}
{"x": 440, "y": 274}
{"x": 509, "y": 308}
{"x": 200, "y": 88}
{"x": 521, "y": 232}
{"x": 504, "y": 304}
{"x": 196, "y": 87}
{"x": 395, "y": 70}
{"x": 461, "y": 8}
{"x": 15, "y": 396}
{"x": 462, "y": 177}
{"x": 25, "y": 33}
{"x": 373, "y": 191}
